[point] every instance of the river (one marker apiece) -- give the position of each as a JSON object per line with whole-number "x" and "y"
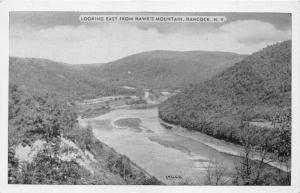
{"x": 170, "y": 157}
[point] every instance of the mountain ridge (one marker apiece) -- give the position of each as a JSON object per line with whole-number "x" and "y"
{"x": 158, "y": 69}
{"x": 143, "y": 70}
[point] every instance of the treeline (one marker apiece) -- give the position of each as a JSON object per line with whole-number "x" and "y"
{"x": 258, "y": 87}
{"x": 45, "y": 118}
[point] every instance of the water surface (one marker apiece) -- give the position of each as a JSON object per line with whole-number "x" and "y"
{"x": 170, "y": 157}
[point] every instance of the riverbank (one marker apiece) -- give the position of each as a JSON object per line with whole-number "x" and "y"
{"x": 88, "y": 111}
{"x": 110, "y": 162}
{"x": 120, "y": 165}
{"x": 219, "y": 145}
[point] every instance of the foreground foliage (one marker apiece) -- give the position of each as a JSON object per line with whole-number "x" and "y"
{"x": 47, "y": 119}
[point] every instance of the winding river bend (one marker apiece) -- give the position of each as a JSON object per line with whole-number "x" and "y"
{"x": 171, "y": 157}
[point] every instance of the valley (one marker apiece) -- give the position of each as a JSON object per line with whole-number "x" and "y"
{"x": 146, "y": 98}
{"x": 161, "y": 117}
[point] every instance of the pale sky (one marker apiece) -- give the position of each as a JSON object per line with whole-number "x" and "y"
{"x": 60, "y": 36}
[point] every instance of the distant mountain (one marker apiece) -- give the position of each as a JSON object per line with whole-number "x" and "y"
{"x": 164, "y": 69}
{"x": 41, "y": 75}
{"x": 156, "y": 69}
{"x": 258, "y": 87}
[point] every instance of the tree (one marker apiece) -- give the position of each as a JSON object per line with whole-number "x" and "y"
{"x": 261, "y": 146}
{"x": 47, "y": 169}
{"x": 215, "y": 174}
{"x": 89, "y": 138}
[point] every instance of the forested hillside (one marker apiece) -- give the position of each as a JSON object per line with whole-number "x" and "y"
{"x": 41, "y": 76}
{"x": 258, "y": 87}
{"x": 46, "y": 143}
{"x": 164, "y": 69}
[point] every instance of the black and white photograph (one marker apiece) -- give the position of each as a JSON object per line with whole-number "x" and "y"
{"x": 150, "y": 98}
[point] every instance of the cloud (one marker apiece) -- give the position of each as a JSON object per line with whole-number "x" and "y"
{"x": 104, "y": 43}
{"x": 254, "y": 31}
